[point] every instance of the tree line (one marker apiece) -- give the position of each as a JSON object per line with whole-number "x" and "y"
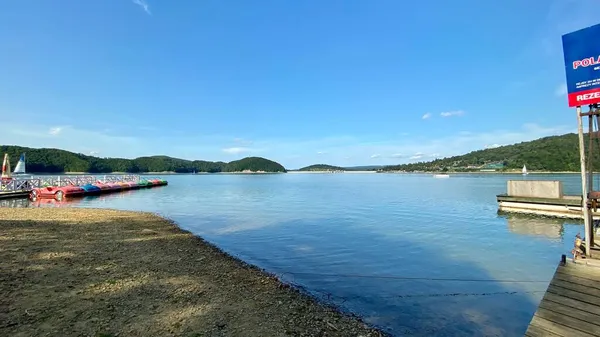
{"x": 553, "y": 154}
{"x": 61, "y": 161}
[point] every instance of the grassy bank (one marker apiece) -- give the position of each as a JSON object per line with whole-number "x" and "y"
{"x": 73, "y": 272}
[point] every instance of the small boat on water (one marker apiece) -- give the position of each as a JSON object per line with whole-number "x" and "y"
{"x": 525, "y": 170}
{"x": 441, "y": 176}
{"x": 19, "y": 171}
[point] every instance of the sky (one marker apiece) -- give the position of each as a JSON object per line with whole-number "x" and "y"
{"x": 341, "y": 82}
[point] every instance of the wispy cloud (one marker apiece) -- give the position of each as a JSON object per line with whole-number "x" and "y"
{"x": 452, "y": 113}
{"x": 55, "y": 131}
{"x": 561, "y": 90}
{"x": 144, "y": 5}
{"x": 242, "y": 141}
{"x": 236, "y": 150}
{"x": 289, "y": 152}
{"x": 426, "y": 116}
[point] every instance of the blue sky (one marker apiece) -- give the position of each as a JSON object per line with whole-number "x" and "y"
{"x": 344, "y": 82}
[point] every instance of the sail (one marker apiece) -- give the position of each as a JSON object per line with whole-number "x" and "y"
{"x": 5, "y": 167}
{"x": 524, "y": 169}
{"x": 20, "y": 168}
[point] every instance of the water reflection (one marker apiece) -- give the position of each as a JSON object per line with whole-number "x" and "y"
{"x": 545, "y": 227}
{"x": 15, "y": 203}
{"x": 66, "y": 202}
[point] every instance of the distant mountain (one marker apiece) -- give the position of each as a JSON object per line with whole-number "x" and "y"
{"x": 322, "y": 167}
{"x": 254, "y": 164}
{"x": 325, "y": 167}
{"x": 364, "y": 168}
{"x": 58, "y": 161}
{"x": 554, "y": 154}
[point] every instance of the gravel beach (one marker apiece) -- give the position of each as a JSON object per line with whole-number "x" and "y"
{"x": 92, "y": 272}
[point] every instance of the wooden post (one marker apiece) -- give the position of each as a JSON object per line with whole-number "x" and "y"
{"x": 590, "y": 157}
{"x": 584, "y": 192}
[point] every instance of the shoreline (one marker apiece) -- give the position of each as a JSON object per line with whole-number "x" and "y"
{"x": 305, "y": 172}
{"x": 76, "y": 271}
{"x": 485, "y": 172}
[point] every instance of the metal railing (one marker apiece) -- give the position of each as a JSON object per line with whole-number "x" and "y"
{"x": 27, "y": 184}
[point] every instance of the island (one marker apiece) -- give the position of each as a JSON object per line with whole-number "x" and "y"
{"x": 48, "y": 160}
{"x": 322, "y": 168}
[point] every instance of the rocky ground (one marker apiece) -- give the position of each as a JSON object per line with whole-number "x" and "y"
{"x": 90, "y": 272}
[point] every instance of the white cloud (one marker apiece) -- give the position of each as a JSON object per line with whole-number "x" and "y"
{"x": 144, "y": 5}
{"x": 561, "y": 90}
{"x": 73, "y": 139}
{"x": 55, "y": 131}
{"x": 452, "y": 113}
{"x": 377, "y": 155}
{"x": 422, "y": 147}
{"x": 236, "y": 150}
{"x": 242, "y": 141}
{"x": 493, "y": 146}
{"x": 292, "y": 153}
{"x": 426, "y": 116}
{"x": 94, "y": 153}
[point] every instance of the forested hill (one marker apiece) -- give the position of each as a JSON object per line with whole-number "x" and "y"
{"x": 555, "y": 153}
{"x": 322, "y": 167}
{"x": 59, "y": 161}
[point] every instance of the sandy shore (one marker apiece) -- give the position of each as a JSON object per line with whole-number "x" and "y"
{"x": 89, "y": 272}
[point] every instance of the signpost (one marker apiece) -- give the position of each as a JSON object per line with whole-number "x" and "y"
{"x": 582, "y": 67}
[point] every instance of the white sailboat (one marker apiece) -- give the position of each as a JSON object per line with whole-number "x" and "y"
{"x": 20, "y": 168}
{"x": 525, "y": 170}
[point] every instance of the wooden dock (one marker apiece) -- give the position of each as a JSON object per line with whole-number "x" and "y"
{"x": 568, "y": 206}
{"x": 571, "y": 305}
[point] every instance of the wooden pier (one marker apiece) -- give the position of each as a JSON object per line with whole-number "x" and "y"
{"x": 571, "y": 305}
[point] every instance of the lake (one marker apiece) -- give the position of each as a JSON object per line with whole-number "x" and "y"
{"x": 409, "y": 253}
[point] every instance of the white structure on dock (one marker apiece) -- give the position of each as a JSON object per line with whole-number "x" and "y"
{"x": 541, "y": 197}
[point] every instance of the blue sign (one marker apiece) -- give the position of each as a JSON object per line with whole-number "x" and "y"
{"x": 582, "y": 65}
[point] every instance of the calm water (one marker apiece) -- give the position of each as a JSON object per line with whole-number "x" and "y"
{"x": 379, "y": 245}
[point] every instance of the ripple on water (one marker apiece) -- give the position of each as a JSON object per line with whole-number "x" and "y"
{"x": 325, "y": 232}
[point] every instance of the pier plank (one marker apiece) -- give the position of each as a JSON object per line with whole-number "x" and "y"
{"x": 589, "y": 291}
{"x": 537, "y": 331}
{"x": 571, "y": 304}
{"x": 541, "y": 324}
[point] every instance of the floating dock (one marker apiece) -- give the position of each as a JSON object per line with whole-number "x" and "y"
{"x": 571, "y": 305}
{"x": 14, "y": 194}
{"x": 541, "y": 197}
{"x": 73, "y": 186}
